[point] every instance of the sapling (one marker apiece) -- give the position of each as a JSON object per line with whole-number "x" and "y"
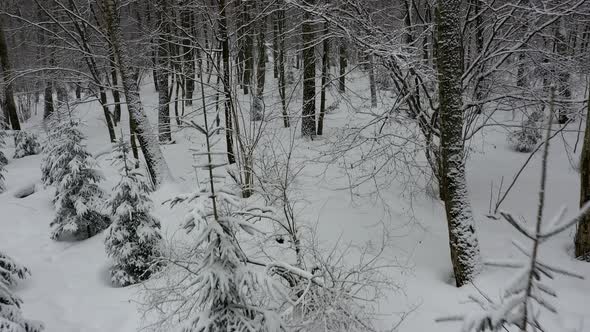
{"x": 133, "y": 240}
{"x": 26, "y": 144}
{"x": 79, "y": 201}
{"x": 11, "y": 319}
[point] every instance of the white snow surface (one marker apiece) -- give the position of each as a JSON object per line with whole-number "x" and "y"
{"x": 70, "y": 290}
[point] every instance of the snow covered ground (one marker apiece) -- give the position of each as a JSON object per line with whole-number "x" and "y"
{"x": 70, "y": 289}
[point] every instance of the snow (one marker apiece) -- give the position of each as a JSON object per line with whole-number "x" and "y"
{"x": 70, "y": 289}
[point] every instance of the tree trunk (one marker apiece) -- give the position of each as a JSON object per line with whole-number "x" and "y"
{"x": 343, "y": 64}
{"x": 226, "y": 82}
{"x": 115, "y": 90}
{"x": 9, "y": 105}
{"x": 107, "y": 114}
{"x": 189, "y": 57}
{"x": 372, "y": 84}
{"x": 164, "y": 133}
{"x": 48, "y": 101}
{"x": 281, "y": 62}
{"x": 325, "y": 78}
{"x": 156, "y": 165}
{"x": 248, "y": 47}
{"x": 582, "y": 238}
{"x": 308, "y": 110}
{"x": 462, "y": 237}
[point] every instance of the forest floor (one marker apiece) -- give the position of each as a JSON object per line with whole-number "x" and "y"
{"x": 70, "y": 289}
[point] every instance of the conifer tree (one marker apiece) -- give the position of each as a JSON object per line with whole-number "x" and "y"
{"x": 3, "y": 162}
{"x": 229, "y": 295}
{"x": 134, "y": 238}
{"x": 78, "y": 199}
{"x": 26, "y": 144}
{"x": 11, "y": 319}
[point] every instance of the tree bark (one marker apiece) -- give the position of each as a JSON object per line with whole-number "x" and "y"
{"x": 248, "y": 47}
{"x": 226, "y": 82}
{"x": 9, "y": 105}
{"x": 325, "y": 78}
{"x": 162, "y": 70}
{"x": 281, "y": 62}
{"x": 343, "y": 64}
{"x": 115, "y": 90}
{"x": 308, "y": 111}
{"x": 582, "y": 238}
{"x": 156, "y": 165}
{"x": 462, "y": 237}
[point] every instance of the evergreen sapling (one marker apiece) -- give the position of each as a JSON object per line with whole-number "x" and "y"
{"x": 133, "y": 240}
{"x": 11, "y": 319}
{"x": 78, "y": 198}
{"x": 26, "y": 144}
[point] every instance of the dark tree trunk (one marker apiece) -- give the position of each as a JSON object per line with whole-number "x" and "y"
{"x": 226, "y": 82}
{"x": 187, "y": 22}
{"x": 9, "y": 105}
{"x": 115, "y": 90}
{"x": 156, "y": 165}
{"x": 582, "y": 238}
{"x": 164, "y": 133}
{"x": 48, "y": 101}
{"x": 463, "y": 241}
{"x": 308, "y": 112}
{"x": 343, "y": 64}
{"x": 248, "y": 47}
{"x": 325, "y": 78}
{"x": 107, "y": 114}
{"x": 280, "y": 13}
{"x": 372, "y": 84}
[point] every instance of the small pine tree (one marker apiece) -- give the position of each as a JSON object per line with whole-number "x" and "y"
{"x": 231, "y": 293}
{"x": 11, "y": 319}
{"x": 78, "y": 199}
{"x": 26, "y": 144}
{"x": 528, "y": 136}
{"x": 134, "y": 238}
{"x": 3, "y": 161}
{"x": 61, "y": 137}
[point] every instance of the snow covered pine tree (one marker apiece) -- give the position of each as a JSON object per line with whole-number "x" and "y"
{"x": 3, "y": 162}
{"x": 133, "y": 240}
{"x": 26, "y": 144}
{"x": 78, "y": 199}
{"x": 226, "y": 292}
{"x": 11, "y": 319}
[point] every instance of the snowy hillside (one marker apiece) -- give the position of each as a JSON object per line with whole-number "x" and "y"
{"x": 70, "y": 288}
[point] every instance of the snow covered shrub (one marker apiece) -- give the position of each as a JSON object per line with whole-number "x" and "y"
{"x": 11, "y": 319}
{"x": 78, "y": 199}
{"x": 53, "y": 147}
{"x": 221, "y": 290}
{"x": 257, "y": 109}
{"x": 527, "y": 137}
{"x": 26, "y": 144}
{"x": 133, "y": 239}
{"x": 3, "y": 161}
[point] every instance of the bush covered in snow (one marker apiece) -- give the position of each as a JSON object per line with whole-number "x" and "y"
{"x": 528, "y": 136}
{"x": 11, "y": 319}
{"x": 134, "y": 239}
{"x": 78, "y": 199}
{"x": 26, "y": 144}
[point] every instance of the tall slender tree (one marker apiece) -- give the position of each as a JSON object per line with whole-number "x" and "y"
{"x": 453, "y": 186}
{"x": 5, "y": 67}
{"x": 308, "y": 127}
